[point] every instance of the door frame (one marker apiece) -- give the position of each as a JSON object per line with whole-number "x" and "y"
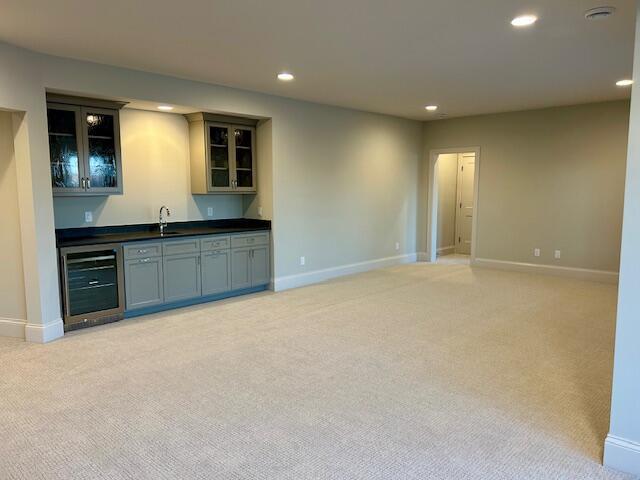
{"x": 432, "y": 201}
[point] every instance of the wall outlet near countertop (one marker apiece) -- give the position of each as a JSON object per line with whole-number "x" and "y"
{"x": 397, "y": 245}
{"x": 88, "y": 217}
{"x": 303, "y": 261}
{"x": 209, "y": 211}
{"x": 260, "y": 211}
{"x": 536, "y": 252}
{"x": 557, "y": 254}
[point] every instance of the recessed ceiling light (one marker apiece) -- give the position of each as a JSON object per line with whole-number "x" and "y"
{"x": 524, "y": 20}
{"x": 624, "y": 83}
{"x": 285, "y": 76}
{"x": 431, "y": 108}
{"x": 599, "y": 13}
{"x": 165, "y": 108}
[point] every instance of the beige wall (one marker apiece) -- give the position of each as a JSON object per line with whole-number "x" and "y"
{"x": 551, "y": 179}
{"x": 155, "y": 167}
{"x": 447, "y": 172}
{"x": 622, "y": 447}
{"x": 12, "y": 298}
{"x": 345, "y": 188}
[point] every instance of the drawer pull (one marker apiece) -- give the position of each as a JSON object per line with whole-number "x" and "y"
{"x": 145, "y": 260}
{"x": 142, "y": 251}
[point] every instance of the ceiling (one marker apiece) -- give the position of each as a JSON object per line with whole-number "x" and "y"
{"x": 384, "y": 56}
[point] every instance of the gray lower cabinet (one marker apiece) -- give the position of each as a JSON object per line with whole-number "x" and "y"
{"x": 260, "y": 266}
{"x": 250, "y": 267}
{"x": 216, "y": 272}
{"x": 144, "y": 285}
{"x": 240, "y": 268}
{"x": 164, "y": 272}
{"x": 181, "y": 277}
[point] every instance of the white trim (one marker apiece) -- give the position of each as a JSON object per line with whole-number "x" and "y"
{"x": 622, "y": 454}
{"x": 580, "y": 273}
{"x": 38, "y": 333}
{"x": 446, "y": 250}
{"x": 12, "y": 327}
{"x": 316, "y": 276}
{"x": 432, "y": 200}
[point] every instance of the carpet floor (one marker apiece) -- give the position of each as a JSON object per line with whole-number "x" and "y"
{"x": 413, "y": 372}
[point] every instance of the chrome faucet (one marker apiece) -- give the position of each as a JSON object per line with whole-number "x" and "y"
{"x": 161, "y": 220}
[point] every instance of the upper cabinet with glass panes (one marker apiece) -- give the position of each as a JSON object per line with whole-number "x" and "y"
{"x": 84, "y": 146}
{"x": 223, "y": 157}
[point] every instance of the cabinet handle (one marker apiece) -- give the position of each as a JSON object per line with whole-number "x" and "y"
{"x": 142, "y": 251}
{"x": 145, "y": 260}
{"x": 88, "y": 183}
{"x": 84, "y": 183}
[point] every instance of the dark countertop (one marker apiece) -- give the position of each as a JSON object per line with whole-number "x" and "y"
{"x": 73, "y": 237}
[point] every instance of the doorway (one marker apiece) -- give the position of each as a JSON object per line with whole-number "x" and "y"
{"x": 453, "y": 198}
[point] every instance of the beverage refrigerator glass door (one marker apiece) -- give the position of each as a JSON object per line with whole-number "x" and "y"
{"x": 92, "y": 282}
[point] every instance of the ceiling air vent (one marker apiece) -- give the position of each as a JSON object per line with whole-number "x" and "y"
{"x": 599, "y": 13}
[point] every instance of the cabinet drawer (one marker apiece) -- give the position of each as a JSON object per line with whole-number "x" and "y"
{"x": 142, "y": 250}
{"x": 250, "y": 240}
{"x": 215, "y": 243}
{"x": 177, "y": 247}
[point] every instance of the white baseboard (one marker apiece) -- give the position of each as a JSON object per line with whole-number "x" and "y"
{"x": 622, "y": 454}
{"x": 580, "y": 273}
{"x": 34, "y": 332}
{"x": 11, "y": 327}
{"x": 308, "y": 278}
{"x": 446, "y": 250}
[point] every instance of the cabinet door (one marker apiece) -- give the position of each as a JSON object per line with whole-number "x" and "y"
{"x": 65, "y": 148}
{"x": 181, "y": 277}
{"x": 240, "y": 268}
{"x": 216, "y": 275}
{"x": 102, "y": 150}
{"x": 219, "y": 157}
{"x": 260, "y": 266}
{"x": 244, "y": 139}
{"x": 143, "y": 282}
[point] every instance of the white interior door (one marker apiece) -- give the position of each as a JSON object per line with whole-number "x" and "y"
{"x": 465, "y": 210}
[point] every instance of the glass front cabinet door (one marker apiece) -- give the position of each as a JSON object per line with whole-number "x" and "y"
{"x": 84, "y": 149}
{"x": 231, "y": 159}
{"x": 227, "y": 163}
{"x": 245, "y": 166}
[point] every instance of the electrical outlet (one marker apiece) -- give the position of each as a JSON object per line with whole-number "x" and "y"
{"x": 260, "y": 211}
{"x": 303, "y": 260}
{"x": 397, "y": 245}
{"x": 88, "y": 217}
{"x": 536, "y": 252}
{"x": 557, "y": 254}
{"x": 210, "y": 211}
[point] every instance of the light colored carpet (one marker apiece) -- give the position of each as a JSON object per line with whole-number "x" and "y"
{"x": 414, "y": 372}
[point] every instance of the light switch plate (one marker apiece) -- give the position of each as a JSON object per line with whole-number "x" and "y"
{"x": 88, "y": 217}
